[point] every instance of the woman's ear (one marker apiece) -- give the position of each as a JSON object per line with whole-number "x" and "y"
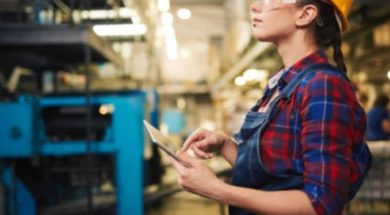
{"x": 306, "y": 15}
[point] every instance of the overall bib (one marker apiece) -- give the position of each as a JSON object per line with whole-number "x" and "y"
{"x": 249, "y": 170}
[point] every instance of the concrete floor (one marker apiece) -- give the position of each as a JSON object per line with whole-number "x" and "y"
{"x": 184, "y": 203}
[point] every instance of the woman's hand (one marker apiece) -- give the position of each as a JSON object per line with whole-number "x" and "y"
{"x": 204, "y": 143}
{"x": 195, "y": 176}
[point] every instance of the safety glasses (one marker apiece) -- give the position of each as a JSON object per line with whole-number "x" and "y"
{"x": 266, "y": 5}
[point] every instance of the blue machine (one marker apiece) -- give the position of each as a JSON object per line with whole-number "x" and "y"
{"x": 53, "y": 126}
{"x": 18, "y": 127}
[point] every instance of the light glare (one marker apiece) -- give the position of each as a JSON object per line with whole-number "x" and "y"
{"x": 184, "y": 13}
{"x": 118, "y": 30}
{"x": 123, "y": 13}
{"x": 164, "y": 5}
{"x": 166, "y": 19}
{"x": 255, "y": 75}
{"x": 240, "y": 81}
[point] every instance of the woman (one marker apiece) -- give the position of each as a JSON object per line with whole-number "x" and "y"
{"x": 301, "y": 148}
{"x": 378, "y": 126}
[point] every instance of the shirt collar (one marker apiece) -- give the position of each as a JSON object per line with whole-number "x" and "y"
{"x": 318, "y": 57}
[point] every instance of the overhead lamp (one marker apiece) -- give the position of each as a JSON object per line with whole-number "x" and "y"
{"x": 164, "y": 5}
{"x": 120, "y": 30}
{"x": 169, "y": 34}
{"x": 388, "y": 74}
{"x": 166, "y": 19}
{"x": 123, "y": 13}
{"x": 240, "y": 81}
{"x": 255, "y": 75}
{"x": 171, "y": 43}
{"x": 184, "y": 13}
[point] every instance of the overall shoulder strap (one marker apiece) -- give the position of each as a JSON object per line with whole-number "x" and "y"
{"x": 289, "y": 89}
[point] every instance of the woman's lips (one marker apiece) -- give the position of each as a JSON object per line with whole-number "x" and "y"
{"x": 256, "y": 21}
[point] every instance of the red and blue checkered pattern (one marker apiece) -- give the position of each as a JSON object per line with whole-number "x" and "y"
{"x": 315, "y": 135}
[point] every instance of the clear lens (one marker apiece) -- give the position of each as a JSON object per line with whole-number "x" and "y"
{"x": 272, "y": 4}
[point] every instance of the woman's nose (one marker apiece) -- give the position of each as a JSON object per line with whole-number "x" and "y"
{"x": 255, "y": 7}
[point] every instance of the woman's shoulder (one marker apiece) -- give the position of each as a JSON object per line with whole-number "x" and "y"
{"x": 328, "y": 82}
{"x": 326, "y": 76}
{"x": 326, "y": 71}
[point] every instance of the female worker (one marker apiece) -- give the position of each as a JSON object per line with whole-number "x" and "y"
{"x": 301, "y": 148}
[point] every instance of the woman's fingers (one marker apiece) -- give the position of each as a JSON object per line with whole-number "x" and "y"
{"x": 178, "y": 166}
{"x": 189, "y": 161}
{"x": 196, "y": 135}
{"x": 203, "y": 143}
{"x": 201, "y": 149}
{"x": 201, "y": 153}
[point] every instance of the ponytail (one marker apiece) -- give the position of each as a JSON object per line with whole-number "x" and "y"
{"x": 338, "y": 54}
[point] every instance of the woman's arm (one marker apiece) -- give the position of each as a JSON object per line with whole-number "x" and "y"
{"x": 265, "y": 202}
{"x": 327, "y": 138}
{"x": 197, "y": 178}
{"x": 229, "y": 151}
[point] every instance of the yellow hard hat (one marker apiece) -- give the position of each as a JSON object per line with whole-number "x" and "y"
{"x": 342, "y": 8}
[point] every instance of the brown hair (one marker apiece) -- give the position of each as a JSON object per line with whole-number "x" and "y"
{"x": 382, "y": 101}
{"x": 326, "y": 30}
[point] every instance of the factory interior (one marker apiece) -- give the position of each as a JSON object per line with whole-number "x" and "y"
{"x": 78, "y": 77}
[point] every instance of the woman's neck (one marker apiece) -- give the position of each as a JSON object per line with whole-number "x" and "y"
{"x": 294, "y": 50}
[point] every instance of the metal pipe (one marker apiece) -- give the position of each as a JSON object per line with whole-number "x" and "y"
{"x": 88, "y": 96}
{"x": 61, "y": 5}
{"x": 13, "y": 208}
{"x": 88, "y": 127}
{"x": 37, "y": 11}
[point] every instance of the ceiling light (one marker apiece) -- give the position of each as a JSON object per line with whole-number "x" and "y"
{"x": 120, "y": 30}
{"x": 164, "y": 5}
{"x": 388, "y": 74}
{"x": 123, "y": 13}
{"x": 170, "y": 42}
{"x": 166, "y": 19}
{"x": 255, "y": 75}
{"x": 184, "y": 13}
{"x": 240, "y": 81}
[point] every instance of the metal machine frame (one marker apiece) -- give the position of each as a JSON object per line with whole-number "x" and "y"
{"x": 124, "y": 140}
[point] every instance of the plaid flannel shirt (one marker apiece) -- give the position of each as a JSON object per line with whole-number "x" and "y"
{"x": 314, "y": 134}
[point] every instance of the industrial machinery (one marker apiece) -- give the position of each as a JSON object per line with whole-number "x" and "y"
{"x": 47, "y": 166}
{"x": 68, "y": 153}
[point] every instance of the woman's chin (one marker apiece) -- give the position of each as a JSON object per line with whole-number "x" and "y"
{"x": 260, "y": 35}
{"x": 262, "y": 38}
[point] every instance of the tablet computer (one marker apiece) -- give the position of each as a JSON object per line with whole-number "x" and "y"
{"x": 160, "y": 140}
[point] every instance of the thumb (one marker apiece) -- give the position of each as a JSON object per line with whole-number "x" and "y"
{"x": 187, "y": 160}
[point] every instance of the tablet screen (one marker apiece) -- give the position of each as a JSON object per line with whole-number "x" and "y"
{"x": 160, "y": 140}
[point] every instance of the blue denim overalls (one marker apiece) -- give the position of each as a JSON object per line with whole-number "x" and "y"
{"x": 249, "y": 170}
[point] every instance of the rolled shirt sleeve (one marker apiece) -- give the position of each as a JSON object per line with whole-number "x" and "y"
{"x": 326, "y": 138}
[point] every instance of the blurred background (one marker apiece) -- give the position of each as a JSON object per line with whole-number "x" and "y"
{"x": 77, "y": 77}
